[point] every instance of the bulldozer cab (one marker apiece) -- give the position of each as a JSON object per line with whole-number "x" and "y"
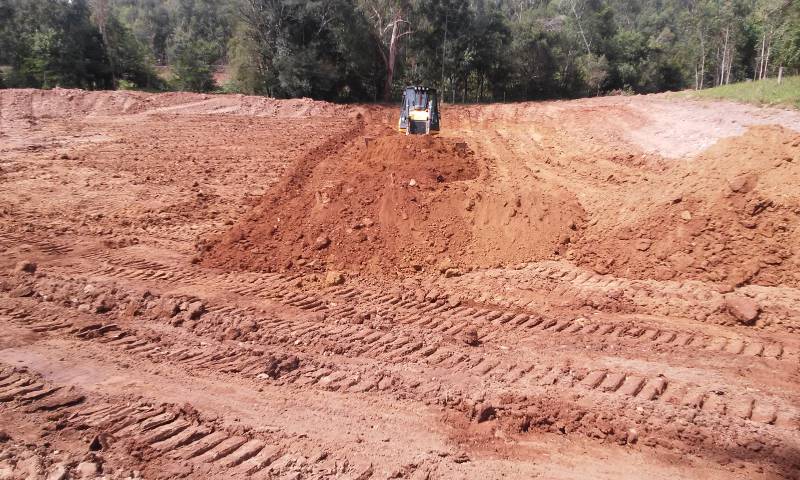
{"x": 419, "y": 112}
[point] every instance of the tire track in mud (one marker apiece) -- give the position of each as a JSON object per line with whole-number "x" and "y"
{"x": 444, "y": 315}
{"x": 292, "y": 363}
{"x": 567, "y": 285}
{"x": 170, "y": 434}
{"x": 42, "y": 244}
{"x": 494, "y": 324}
{"x": 451, "y": 319}
{"x": 491, "y": 322}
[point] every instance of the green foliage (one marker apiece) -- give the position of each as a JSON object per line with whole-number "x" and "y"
{"x": 789, "y": 36}
{"x": 762, "y": 92}
{"x": 596, "y": 71}
{"x": 191, "y": 61}
{"x": 321, "y": 49}
{"x": 245, "y": 63}
{"x": 150, "y": 22}
{"x": 538, "y": 51}
{"x": 131, "y": 61}
{"x": 126, "y": 85}
{"x": 52, "y": 43}
{"x": 472, "y": 50}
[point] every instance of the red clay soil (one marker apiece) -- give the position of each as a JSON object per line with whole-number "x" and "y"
{"x": 392, "y": 204}
{"x": 730, "y": 215}
{"x": 33, "y": 105}
{"x": 602, "y": 288}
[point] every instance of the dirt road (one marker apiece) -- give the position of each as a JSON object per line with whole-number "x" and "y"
{"x": 211, "y": 286}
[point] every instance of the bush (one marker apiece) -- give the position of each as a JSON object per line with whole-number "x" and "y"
{"x": 191, "y": 63}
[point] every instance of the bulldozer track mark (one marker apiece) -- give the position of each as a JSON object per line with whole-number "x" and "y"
{"x": 534, "y": 379}
{"x": 418, "y": 311}
{"x": 165, "y": 430}
{"x": 710, "y": 401}
{"x": 30, "y": 394}
{"x": 342, "y": 331}
{"x": 547, "y": 281}
{"x": 336, "y": 303}
{"x": 45, "y": 246}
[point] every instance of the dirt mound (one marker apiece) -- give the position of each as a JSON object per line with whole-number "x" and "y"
{"x": 29, "y": 104}
{"x": 389, "y": 203}
{"x": 378, "y": 201}
{"x": 730, "y": 215}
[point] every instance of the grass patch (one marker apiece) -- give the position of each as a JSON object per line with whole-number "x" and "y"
{"x": 762, "y": 92}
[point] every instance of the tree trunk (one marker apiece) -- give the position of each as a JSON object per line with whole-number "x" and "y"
{"x": 730, "y": 67}
{"x": 101, "y": 14}
{"x": 702, "y": 69}
{"x": 699, "y": 86}
{"x": 444, "y": 51}
{"x": 580, "y": 28}
{"x": 724, "y": 65}
{"x": 390, "y": 61}
{"x": 761, "y": 57}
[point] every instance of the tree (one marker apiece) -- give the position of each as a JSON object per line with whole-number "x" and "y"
{"x": 771, "y": 17}
{"x": 787, "y": 51}
{"x": 389, "y": 26}
{"x": 129, "y": 59}
{"x": 318, "y": 48}
{"x": 347, "y": 50}
{"x": 597, "y": 72}
{"x": 54, "y": 43}
{"x": 246, "y": 64}
{"x": 440, "y": 46}
{"x": 491, "y": 37}
{"x": 191, "y": 61}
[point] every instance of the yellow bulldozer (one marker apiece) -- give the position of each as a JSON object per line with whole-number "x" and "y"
{"x": 419, "y": 112}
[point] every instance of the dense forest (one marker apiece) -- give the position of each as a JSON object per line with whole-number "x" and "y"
{"x": 348, "y": 50}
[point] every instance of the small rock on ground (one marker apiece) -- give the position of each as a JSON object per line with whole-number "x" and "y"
{"x": 334, "y": 278}
{"x": 87, "y": 469}
{"x": 744, "y": 309}
{"x": 322, "y": 242}
{"x": 195, "y": 310}
{"x": 25, "y": 266}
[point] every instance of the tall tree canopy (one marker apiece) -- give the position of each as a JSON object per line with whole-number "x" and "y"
{"x": 472, "y": 50}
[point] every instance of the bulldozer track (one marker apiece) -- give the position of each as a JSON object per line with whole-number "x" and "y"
{"x": 45, "y": 246}
{"x": 536, "y": 378}
{"x": 277, "y": 287}
{"x": 689, "y": 299}
{"x": 441, "y": 316}
{"x": 166, "y": 432}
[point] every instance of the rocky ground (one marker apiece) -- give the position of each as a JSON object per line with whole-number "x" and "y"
{"x": 198, "y": 286}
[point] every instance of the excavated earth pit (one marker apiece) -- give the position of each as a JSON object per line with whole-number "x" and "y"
{"x": 202, "y": 286}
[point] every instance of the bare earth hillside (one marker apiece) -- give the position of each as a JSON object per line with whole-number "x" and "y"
{"x": 221, "y": 286}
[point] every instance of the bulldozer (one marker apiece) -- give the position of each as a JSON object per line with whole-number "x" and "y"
{"x": 419, "y": 112}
